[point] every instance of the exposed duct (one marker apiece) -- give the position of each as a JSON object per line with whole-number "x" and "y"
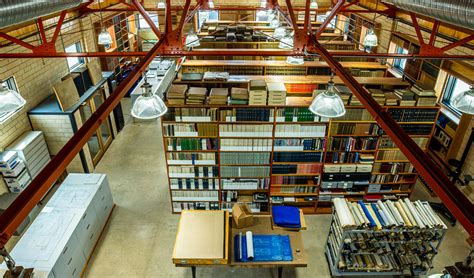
{"x": 456, "y": 12}
{"x": 13, "y": 12}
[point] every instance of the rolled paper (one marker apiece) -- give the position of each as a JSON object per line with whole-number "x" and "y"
{"x": 361, "y": 212}
{"x": 374, "y": 216}
{"x": 413, "y": 211}
{"x": 395, "y": 213}
{"x": 367, "y": 214}
{"x": 403, "y": 214}
{"x": 387, "y": 213}
{"x": 249, "y": 239}
{"x": 343, "y": 213}
{"x": 377, "y": 214}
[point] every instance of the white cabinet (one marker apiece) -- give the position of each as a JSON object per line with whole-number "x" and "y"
{"x": 62, "y": 237}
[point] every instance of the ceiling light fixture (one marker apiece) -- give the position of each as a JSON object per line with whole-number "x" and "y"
{"x": 104, "y": 37}
{"x": 328, "y": 104}
{"x": 148, "y": 106}
{"x": 161, "y": 4}
{"x": 464, "y": 102}
{"x": 293, "y": 60}
{"x": 313, "y": 5}
{"x": 370, "y": 39}
{"x": 192, "y": 39}
{"x": 210, "y": 4}
{"x": 10, "y": 100}
{"x": 263, "y": 4}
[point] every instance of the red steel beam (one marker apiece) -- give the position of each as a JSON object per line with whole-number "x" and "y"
{"x": 17, "y": 41}
{"x": 147, "y": 18}
{"x": 434, "y": 32}
{"x": 44, "y": 40}
{"x": 458, "y": 43}
{"x": 58, "y": 27}
{"x": 14, "y": 215}
{"x": 328, "y": 19}
{"x": 417, "y": 29}
{"x": 457, "y": 203}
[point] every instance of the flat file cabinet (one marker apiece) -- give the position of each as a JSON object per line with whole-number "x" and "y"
{"x": 61, "y": 239}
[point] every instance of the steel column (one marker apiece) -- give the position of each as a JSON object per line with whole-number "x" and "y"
{"x": 458, "y": 204}
{"x": 15, "y": 214}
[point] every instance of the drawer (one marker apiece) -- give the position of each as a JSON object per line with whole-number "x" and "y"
{"x": 332, "y": 168}
{"x": 348, "y": 168}
{"x": 33, "y": 150}
{"x": 345, "y": 184}
{"x": 89, "y": 241}
{"x": 71, "y": 261}
{"x": 87, "y": 225}
{"x": 103, "y": 204}
{"x": 328, "y": 184}
{"x": 364, "y": 168}
{"x": 373, "y": 188}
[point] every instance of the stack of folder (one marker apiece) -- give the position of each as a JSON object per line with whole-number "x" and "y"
{"x": 276, "y": 93}
{"x": 367, "y": 158}
{"x": 216, "y": 76}
{"x": 391, "y": 99}
{"x": 177, "y": 94}
{"x": 239, "y": 96}
{"x": 406, "y": 97}
{"x": 257, "y": 92}
{"x": 196, "y": 95}
{"x": 424, "y": 97}
{"x": 378, "y": 96}
{"x": 218, "y": 96}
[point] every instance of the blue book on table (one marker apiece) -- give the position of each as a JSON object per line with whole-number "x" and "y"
{"x": 285, "y": 216}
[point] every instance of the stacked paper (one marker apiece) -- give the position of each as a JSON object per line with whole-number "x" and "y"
{"x": 216, "y": 76}
{"x": 218, "y": 96}
{"x": 258, "y": 92}
{"x": 239, "y": 96}
{"x": 196, "y": 95}
{"x": 177, "y": 94}
{"x": 276, "y": 93}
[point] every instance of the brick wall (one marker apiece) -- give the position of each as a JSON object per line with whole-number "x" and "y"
{"x": 35, "y": 77}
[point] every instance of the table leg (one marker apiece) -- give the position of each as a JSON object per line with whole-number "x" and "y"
{"x": 193, "y": 270}
{"x": 280, "y": 272}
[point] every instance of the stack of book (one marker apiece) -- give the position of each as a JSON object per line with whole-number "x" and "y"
{"x": 216, "y": 76}
{"x": 177, "y": 94}
{"x": 196, "y": 95}
{"x": 257, "y": 92}
{"x": 276, "y": 93}
{"x": 378, "y": 96}
{"x": 239, "y": 96}
{"x": 405, "y": 97}
{"x": 218, "y": 96}
{"x": 391, "y": 99}
{"x": 424, "y": 97}
{"x": 367, "y": 158}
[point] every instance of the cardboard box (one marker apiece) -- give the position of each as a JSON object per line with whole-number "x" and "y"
{"x": 242, "y": 216}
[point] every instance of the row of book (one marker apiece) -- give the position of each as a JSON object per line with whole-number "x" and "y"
{"x": 246, "y": 144}
{"x": 300, "y": 144}
{"x": 195, "y": 195}
{"x": 297, "y": 157}
{"x": 196, "y": 171}
{"x": 230, "y": 158}
{"x": 392, "y": 178}
{"x": 245, "y": 184}
{"x": 393, "y": 167}
{"x": 387, "y": 142}
{"x": 190, "y": 130}
{"x": 191, "y": 114}
{"x": 244, "y": 171}
{"x": 180, "y": 206}
{"x": 388, "y": 214}
{"x": 294, "y": 180}
{"x": 293, "y": 189}
{"x": 352, "y": 143}
{"x": 391, "y": 155}
{"x": 310, "y": 168}
{"x": 246, "y": 114}
{"x": 354, "y": 129}
{"x": 356, "y": 114}
{"x": 191, "y": 158}
{"x": 349, "y": 157}
{"x": 413, "y": 115}
{"x": 184, "y": 144}
{"x": 194, "y": 184}
{"x": 297, "y": 115}
{"x": 242, "y": 130}
{"x": 295, "y": 130}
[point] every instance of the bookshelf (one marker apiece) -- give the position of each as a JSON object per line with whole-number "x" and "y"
{"x": 271, "y": 155}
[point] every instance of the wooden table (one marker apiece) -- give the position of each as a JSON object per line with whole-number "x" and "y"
{"x": 262, "y": 226}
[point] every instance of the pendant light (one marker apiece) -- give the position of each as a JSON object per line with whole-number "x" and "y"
{"x": 192, "y": 39}
{"x": 464, "y": 102}
{"x": 279, "y": 32}
{"x": 370, "y": 39}
{"x": 293, "y": 60}
{"x": 271, "y": 15}
{"x": 263, "y": 4}
{"x": 210, "y": 4}
{"x": 328, "y": 104}
{"x": 274, "y": 23}
{"x": 313, "y": 5}
{"x": 10, "y": 100}
{"x": 148, "y": 106}
{"x": 104, "y": 37}
{"x": 161, "y": 4}
{"x": 286, "y": 42}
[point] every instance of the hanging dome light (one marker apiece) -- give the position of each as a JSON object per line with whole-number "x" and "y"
{"x": 104, "y": 38}
{"x": 148, "y": 106}
{"x": 274, "y": 23}
{"x": 464, "y": 102}
{"x": 10, "y": 100}
{"x": 279, "y": 32}
{"x": 286, "y": 42}
{"x": 271, "y": 15}
{"x": 370, "y": 39}
{"x": 293, "y": 60}
{"x": 192, "y": 39}
{"x": 328, "y": 104}
{"x": 263, "y": 4}
{"x": 210, "y": 4}
{"x": 313, "y": 5}
{"x": 161, "y": 5}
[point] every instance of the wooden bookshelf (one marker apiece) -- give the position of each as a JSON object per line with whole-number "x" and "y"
{"x": 283, "y": 181}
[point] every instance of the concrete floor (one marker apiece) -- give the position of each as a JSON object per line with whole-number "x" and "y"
{"x": 139, "y": 238}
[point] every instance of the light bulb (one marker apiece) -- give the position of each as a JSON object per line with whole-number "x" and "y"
{"x": 313, "y": 5}
{"x": 328, "y": 104}
{"x": 104, "y": 38}
{"x": 148, "y": 106}
{"x": 161, "y": 5}
{"x": 10, "y": 100}
{"x": 464, "y": 102}
{"x": 370, "y": 39}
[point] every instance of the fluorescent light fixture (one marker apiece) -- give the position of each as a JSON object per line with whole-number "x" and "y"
{"x": 161, "y": 4}
{"x": 370, "y": 39}
{"x": 192, "y": 39}
{"x": 293, "y": 60}
{"x": 148, "y": 106}
{"x": 328, "y": 104}
{"x": 464, "y": 102}
{"x": 104, "y": 38}
{"x": 10, "y": 100}
{"x": 313, "y": 5}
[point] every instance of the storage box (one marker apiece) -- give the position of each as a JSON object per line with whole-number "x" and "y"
{"x": 373, "y": 188}
{"x": 242, "y": 216}
{"x": 348, "y": 168}
{"x": 8, "y": 160}
{"x": 15, "y": 172}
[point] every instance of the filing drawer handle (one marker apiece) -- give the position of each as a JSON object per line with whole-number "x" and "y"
{"x": 70, "y": 260}
{"x": 85, "y": 214}
{"x": 91, "y": 236}
{"x": 88, "y": 225}
{"x": 74, "y": 271}
{"x": 65, "y": 249}
{"x": 106, "y": 207}
{"x": 103, "y": 197}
